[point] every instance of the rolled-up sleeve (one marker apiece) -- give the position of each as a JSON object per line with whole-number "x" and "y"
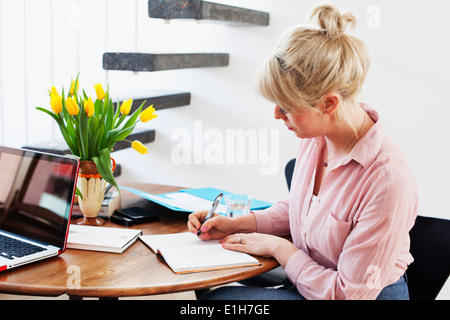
{"x": 274, "y": 220}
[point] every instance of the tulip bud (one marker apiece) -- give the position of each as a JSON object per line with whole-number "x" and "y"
{"x": 99, "y": 91}
{"x": 148, "y": 114}
{"x": 89, "y": 107}
{"x": 54, "y": 91}
{"x": 126, "y": 106}
{"x": 72, "y": 87}
{"x": 139, "y": 147}
{"x": 55, "y": 101}
{"x": 72, "y": 107}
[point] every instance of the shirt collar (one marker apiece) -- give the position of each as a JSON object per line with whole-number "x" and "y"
{"x": 367, "y": 149}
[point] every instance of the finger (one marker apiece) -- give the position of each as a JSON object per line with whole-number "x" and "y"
{"x": 234, "y": 247}
{"x": 191, "y": 227}
{"x": 194, "y": 220}
{"x": 233, "y": 239}
{"x": 210, "y": 223}
{"x": 205, "y": 236}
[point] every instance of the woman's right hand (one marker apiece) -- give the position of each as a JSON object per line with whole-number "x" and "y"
{"x": 217, "y": 227}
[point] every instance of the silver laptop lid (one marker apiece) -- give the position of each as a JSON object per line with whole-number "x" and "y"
{"x": 36, "y": 194}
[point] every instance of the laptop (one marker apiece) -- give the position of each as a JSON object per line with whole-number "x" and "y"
{"x": 36, "y": 197}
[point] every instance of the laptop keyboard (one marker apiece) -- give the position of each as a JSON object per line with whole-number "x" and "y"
{"x": 11, "y": 247}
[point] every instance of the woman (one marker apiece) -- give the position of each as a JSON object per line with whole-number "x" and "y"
{"x": 353, "y": 196}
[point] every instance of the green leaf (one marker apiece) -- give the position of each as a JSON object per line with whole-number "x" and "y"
{"x": 121, "y": 118}
{"x": 123, "y": 134}
{"x": 111, "y": 137}
{"x": 71, "y": 127}
{"x": 67, "y": 137}
{"x": 109, "y": 115}
{"x": 98, "y": 107}
{"x": 78, "y": 193}
{"x": 116, "y": 114}
{"x": 75, "y": 90}
{"x": 103, "y": 162}
{"x": 84, "y": 136}
{"x": 93, "y": 135}
{"x": 50, "y": 113}
{"x": 134, "y": 116}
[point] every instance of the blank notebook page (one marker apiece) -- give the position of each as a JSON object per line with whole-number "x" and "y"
{"x": 184, "y": 252}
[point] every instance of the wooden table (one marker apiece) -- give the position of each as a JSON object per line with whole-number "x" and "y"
{"x": 136, "y": 272}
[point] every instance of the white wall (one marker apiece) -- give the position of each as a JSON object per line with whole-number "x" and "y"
{"x": 45, "y": 42}
{"x": 407, "y": 41}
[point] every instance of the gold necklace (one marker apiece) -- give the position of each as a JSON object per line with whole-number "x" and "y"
{"x": 325, "y": 163}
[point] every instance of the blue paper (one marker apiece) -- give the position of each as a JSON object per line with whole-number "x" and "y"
{"x": 205, "y": 193}
{"x": 211, "y": 194}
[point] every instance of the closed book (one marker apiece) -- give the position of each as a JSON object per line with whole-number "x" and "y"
{"x": 101, "y": 238}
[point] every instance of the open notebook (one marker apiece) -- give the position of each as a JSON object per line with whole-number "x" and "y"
{"x": 184, "y": 252}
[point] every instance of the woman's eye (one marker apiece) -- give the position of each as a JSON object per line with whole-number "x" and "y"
{"x": 281, "y": 110}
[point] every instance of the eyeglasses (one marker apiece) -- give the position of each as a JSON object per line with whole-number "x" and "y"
{"x": 282, "y": 111}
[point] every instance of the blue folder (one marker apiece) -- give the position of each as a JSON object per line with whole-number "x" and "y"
{"x": 205, "y": 193}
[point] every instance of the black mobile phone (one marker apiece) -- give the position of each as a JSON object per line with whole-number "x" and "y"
{"x": 121, "y": 220}
{"x": 137, "y": 214}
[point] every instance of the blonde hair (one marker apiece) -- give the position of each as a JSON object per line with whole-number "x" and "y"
{"x": 310, "y": 63}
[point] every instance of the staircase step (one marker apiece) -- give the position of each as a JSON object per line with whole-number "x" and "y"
{"x": 60, "y": 146}
{"x": 159, "y": 99}
{"x": 204, "y": 10}
{"x": 132, "y": 61}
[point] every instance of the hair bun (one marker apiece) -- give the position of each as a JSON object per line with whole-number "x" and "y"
{"x": 330, "y": 19}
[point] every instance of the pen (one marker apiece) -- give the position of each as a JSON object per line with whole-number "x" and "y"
{"x": 211, "y": 211}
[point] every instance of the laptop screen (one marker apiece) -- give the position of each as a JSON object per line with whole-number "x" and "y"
{"x": 36, "y": 194}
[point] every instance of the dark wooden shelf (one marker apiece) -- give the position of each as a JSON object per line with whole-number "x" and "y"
{"x": 131, "y": 61}
{"x": 159, "y": 99}
{"x": 204, "y": 10}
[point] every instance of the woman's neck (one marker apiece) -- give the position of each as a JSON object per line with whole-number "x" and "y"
{"x": 341, "y": 138}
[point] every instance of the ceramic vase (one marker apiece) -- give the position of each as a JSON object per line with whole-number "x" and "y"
{"x": 92, "y": 187}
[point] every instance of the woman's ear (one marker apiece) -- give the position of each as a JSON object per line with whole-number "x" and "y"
{"x": 330, "y": 103}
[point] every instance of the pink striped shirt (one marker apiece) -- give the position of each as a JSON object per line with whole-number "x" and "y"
{"x": 353, "y": 238}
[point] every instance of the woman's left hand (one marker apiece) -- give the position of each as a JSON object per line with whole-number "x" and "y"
{"x": 260, "y": 244}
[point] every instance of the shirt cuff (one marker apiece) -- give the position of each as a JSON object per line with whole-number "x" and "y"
{"x": 263, "y": 221}
{"x": 295, "y": 265}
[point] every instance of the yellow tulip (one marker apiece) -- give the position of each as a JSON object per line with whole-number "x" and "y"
{"x": 99, "y": 91}
{"x": 89, "y": 107}
{"x": 139, "y": 147}
{"x": 148, "y": 114}
{"x": 72, "y": 107}
{"x": 126, "y": 106}
{"x": 55, "y": 101}
{"x": 72, "y": 87}
{"x": 54, "y": 91}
